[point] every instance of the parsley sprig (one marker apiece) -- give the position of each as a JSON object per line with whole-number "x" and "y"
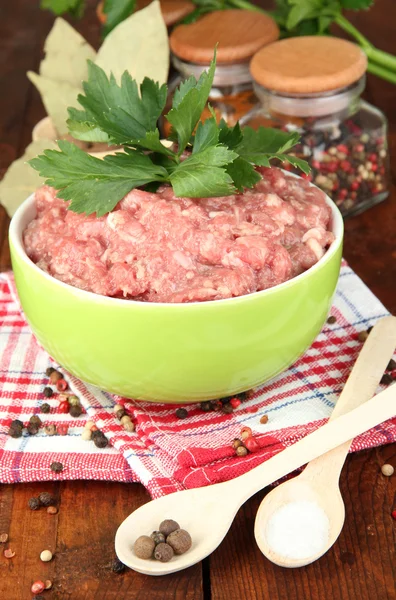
{"x": 207, "y": 158}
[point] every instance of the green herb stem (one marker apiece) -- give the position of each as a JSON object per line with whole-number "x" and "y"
{"x": 381, "y": 58}
{"x": 381, "y": 72}
{"x": 353, "y": 32}
{"x": 245, "y": 4}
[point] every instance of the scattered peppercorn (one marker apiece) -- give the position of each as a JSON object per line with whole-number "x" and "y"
{"x": 86, "y": 435}
{"x": 9, "y": 553}
{"x": 235, "y": 402}
{"x": 35, "y": 420}
{"x": 63, "y": 428}
{"x": 120, "y": 413}
{"x": 129, "y": 427}
{"x": 227, "y": 408}
{"x": 32, "y": 429}
{"x": 168, "y": 526}
{"x": 64, "y": 407}
{"x": 205, "y": 406}
{"x": 48, "y": 584}
{"x": 117, "y": 566}
{"x": 37, "y": 587}
{"x": 370, "y": 328}
{"x": 46, "y": 556}
{"x": 117, "y": 407}
{"x": 331, "y": 320}
{"x": 394, "y": 514}
{"x": 73, "y": 400}
{"x": 241, "y": 451}
{"x": 163, "y": 552}
{"x": 386, "y": 379}
{"x": 52, "y": 510}
{"x": 158, "y": 537}
{"x": 56, "y": 467}
{"x": 387, "y": 470}
{"x": 181, "y": 413}
{"x": 245, "y": 432}
{"x": 15, "y": 430}
{"x": 391, "y": 365}
{"x": 144, "y": 547}
{"x": 264, "y": 419}
{"x": 48, "y": 392}
{"x": 362, "y": 336}
{"x": 3, "y": 538}
{"x": 45, "y": 408}
{"x": 216, "y": 404}
{"x": 49, "y": 371}
{"x": 34, "y": 503}
{"x": 180, "y": 540}
{"x": 55, "y": 377}
{"x": 75, "y": 410}
{"x": 251, "y": 444}
{"x": 100, "y": 441}
{"x": 236, "y": 443}
{"x": 46, "y": 499}
{"x": 125, "y": 419}
{"x": 50, "y": 429}
{"x": 89, "y": 425}
{"x": 61, "y": 385}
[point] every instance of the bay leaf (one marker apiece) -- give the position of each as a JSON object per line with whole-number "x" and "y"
{"x": 21, "y": 179}
{"x": 66, "y": 55}
{"x": 139, "y": 45}
{"x": 57, "y": 96}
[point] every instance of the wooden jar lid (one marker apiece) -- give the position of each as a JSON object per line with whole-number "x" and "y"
{"x": 239, "y": 33}
{"x": 308, "y": 64}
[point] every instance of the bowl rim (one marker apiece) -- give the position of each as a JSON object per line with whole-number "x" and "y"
{"x": 15, "y": 237}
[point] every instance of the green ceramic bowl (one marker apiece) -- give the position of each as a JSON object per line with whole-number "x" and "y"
{"x": 174, "y": 352}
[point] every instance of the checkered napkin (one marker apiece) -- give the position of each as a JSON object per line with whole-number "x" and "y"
{"x": 165, "y": 453}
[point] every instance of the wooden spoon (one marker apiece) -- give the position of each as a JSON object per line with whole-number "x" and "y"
{"x": 319, "y": 482}
{"x": 207, "y": 513}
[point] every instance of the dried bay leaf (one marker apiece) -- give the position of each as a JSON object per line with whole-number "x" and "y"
{"x": 20, "y": 179}
{"x": 57, "y": 96}
{"x": 138, "y": 45}
{"x": 66, "y": 55}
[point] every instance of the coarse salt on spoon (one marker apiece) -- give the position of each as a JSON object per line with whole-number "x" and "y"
{"x": 207, "y": 513}
{"x": 300, "y": 520}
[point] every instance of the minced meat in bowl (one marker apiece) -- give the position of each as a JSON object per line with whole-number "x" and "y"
{"x": 155, "y": 247}
{"x": 168, "y": 340}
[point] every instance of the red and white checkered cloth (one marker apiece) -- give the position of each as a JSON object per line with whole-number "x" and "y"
{"x": 167, "y": 454}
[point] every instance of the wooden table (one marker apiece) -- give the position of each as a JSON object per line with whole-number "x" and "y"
{"x": 360, "y": 566}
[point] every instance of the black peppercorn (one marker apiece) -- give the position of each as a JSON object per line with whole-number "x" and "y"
{"x": 117, "y": 566}
{"x": 32, "y": 429}
{"x": 49, "y": 371}
{"x": 391, "y": 365}
{"x": 331, "y": 320}
{"x": 386, "y": 379}
{"x": 120, "y": 413}
{"x": 75, "y": 410}
{"x": 47, "y": 391}
{"x": 226, "y": 399}
{"x": 227, "y": 408}
{"x": 205, "y": 406}
{"x": 216, "y": 404}
{"x": 56, "y": 467}
{"x": 15, "y": 430}
{"x": 45, "y": 408}
{"x": 35, "y": 420}
{"x": 46, "y": 499}
{"x": 34, "y": 503}
{"x": 96, "y": 433}
{"x": 181, "y": 413}
{"x": 100, "y": 441}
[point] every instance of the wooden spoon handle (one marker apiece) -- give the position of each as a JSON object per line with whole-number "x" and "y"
{"x": 360, "y": 387}
{"x": 332, "y": 434}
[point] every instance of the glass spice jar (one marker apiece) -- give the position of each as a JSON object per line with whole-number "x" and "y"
{"x": 343, "y": 138}
{"x": 239, "y": 34}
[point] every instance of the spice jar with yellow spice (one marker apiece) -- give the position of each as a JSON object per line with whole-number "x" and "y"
{"x": 313, "y": 85}
{"x": 239, "y": 35}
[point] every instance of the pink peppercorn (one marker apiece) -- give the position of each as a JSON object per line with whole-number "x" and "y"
{"x": 61, "y": 385}
{"x": 63, "y": 429}
{"x": 373, "y": 157}
{"x": 394, "y": 514}
{"x": 235, "y": 402}
{"x": 355, "y": 185}
{"x": 251, "y": 444}
{"x": 359, "y": 148}
{"x": 343, "y": 193}
{"x": 343, "y": 148}
{"x": 316, "y": 164}
{"x": 63, "y": 407}
{"x": 332, "y": 167}
{"x": 37, "y": 587}
{"x": 345, "y": 165}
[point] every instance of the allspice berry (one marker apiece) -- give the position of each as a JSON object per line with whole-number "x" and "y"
{"x": 144, "y": 547}
{"x": 158, "y": 537}
{"x": 163, "y": 552}
{"x": 180, "y": 541}
{"x": 168, "y": 526}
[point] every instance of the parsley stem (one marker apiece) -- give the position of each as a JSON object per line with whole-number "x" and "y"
{"x": 383, "y": 59}
{"x": 381, "y": 72}
{"x": 353, "y": 32}
{"x": 245, "y": 4}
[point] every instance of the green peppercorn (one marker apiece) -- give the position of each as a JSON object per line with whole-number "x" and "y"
{"x": 180, "y": 541}
{"x": 56, "y": 467}
{"x": 48, "y": 392}
{"x": 73, "y": 400}
{"x": 163, "y": 552}
{"x": 45, "y": 408}
{"x": 34, "y": 503}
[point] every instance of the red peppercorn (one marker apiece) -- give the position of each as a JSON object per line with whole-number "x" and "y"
{"x": 63, "y": 407}
{"x": 246, "y": 430}
{"x": 235, "y": 402}
{"x": 251, "y": 444}
{"x": 315, "y": 164}
{"x": 332, "y": 167}
{"x": 94, "y": 428}
{"x": 394, "y": 514}
{"x": 61, "y": 385}
{"x": 335, "y": 186}
{"x": 343, "y": 148}
{"x": 37, "y": 587}
{"x": 343, "y": 193}
{"x": 359, "y": 148}
{"x": 345, "y": 165}
{"x": 374, "y": 168}
{"x": 63, "y": 429}
{"x": 355, "y": 185}
{"x": 373, "y": 157}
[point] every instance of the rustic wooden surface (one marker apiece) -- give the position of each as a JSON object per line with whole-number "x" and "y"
{"x": 360, "y": 566}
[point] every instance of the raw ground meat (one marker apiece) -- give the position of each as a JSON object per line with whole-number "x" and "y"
{"x": 159, "y": 248}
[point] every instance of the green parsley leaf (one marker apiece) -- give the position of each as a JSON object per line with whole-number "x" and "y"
{"x": 257, "y": 146}
{"x": 356, "y": 4}
{"x": 74, "y": 7}
{"x": 207, "y": 135}
{"x": 94, "y": 185}
{"x": 243, "y": 174}
{"x": 188, "y": 105}
{"x": 203, "y": 175}
{"x": 116, "y": 11}
{"x": 82, "y": 127}
{"x": 230, "y": 136}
